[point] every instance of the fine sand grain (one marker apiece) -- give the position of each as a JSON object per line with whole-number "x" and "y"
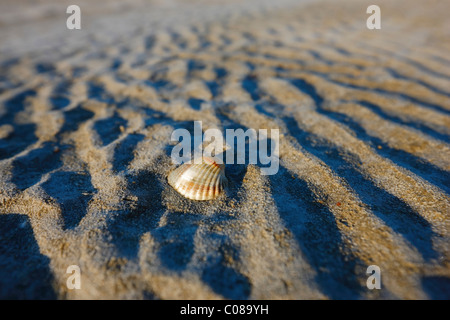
{"x": 85, "y": 123}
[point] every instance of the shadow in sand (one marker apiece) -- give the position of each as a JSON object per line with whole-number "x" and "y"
{"x": 123, "y": 152}
{"x": 318, "y": 236}
{"x": 148, "y": 295}
{"x": 397, "y": 75}
{"x": 22, "y": 135}
{"x": 9, "y": 63}
{"x": 426, "y": 69}
{"x": 28, "y": 169}
{"x": 98, "y": 92}
{"x": 173, "y": 230}
{"x": 116, "y": 64}
{"x": 214, "y": 88}
{"x": 220, "y": 73}
{"x": 223, "y": 279}
{"x": 63, "y": 87}
{"x": 215, "y": 85}
{"x": 74, "y": 117}
{"x": 394, "y": 212}
{"x": 401, "y": 158}
{"x": 194, "y": 65}
{"x": 316, "y": 232}
{"x": 73, "y": 191}
{"x": 195, "y": 104}
{"x": 59, "y": 102}
{"x": 78, "y": 71}
{"x": 178, "y": 40}
{"x": 437, "y": 287}
{"x": 44, "y": 67}
{"x": 403, "y": 96}
{"x": 143, "y": 215}
{"x": 24, "y": 272}
{"x": 416, "y": 165}
{"x": 203, "y": 42}
{"x": 157, "y": 84}
{"x": 410, "y": 123}
{"x": 176, "y": 240}
{"x": 250, "y": 84}
{"x": 149, "y": 42}
{"x": 109, "y": 129}
{"x": 17, "y": 141}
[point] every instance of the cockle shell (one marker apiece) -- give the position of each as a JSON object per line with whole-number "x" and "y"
{"x": 203, "y": 181}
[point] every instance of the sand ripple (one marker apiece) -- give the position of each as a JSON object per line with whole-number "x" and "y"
{"x": 85, "y": 125}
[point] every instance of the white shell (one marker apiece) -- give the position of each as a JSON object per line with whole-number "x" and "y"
{"x": 203, "y": 181}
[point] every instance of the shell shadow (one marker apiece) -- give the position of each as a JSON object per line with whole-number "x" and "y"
{"x": 176, "y": 238}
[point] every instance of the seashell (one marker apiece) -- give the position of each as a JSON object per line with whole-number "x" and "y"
{"x": 203, "y": 181}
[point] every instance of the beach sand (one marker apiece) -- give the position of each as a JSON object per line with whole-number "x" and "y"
{"x": 86, "y": 118}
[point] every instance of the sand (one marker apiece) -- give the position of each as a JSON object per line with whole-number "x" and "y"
{"x": 85, "y": 123}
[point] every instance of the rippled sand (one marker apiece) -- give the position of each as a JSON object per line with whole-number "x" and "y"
{"x": 85, "y": 124}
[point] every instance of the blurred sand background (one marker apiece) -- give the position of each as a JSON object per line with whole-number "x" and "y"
{"x": 85, "y": 124}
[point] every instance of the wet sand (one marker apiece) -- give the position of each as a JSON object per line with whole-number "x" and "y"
{"x": 85, "y": 123}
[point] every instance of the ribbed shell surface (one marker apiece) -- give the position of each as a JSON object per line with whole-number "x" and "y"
{"x": 203, "y": 181}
